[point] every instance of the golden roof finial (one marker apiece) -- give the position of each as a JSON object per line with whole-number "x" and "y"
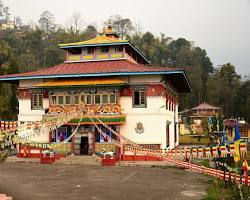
{"x": 108, "y": 31}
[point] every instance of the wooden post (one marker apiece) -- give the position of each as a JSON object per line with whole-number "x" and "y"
{"x": 94, "y": 53}
{"x": 123, "y": 152}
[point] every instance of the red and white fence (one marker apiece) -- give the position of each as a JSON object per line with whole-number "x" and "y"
{"x": 209, "y": 171}
{"x": 8, "y": 125}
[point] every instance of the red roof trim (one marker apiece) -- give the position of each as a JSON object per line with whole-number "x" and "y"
{"x": 92, "y": 68}
{"x": 205, "y": 106}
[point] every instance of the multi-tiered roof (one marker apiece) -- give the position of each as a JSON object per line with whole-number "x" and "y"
{"x": 104, "y": 56}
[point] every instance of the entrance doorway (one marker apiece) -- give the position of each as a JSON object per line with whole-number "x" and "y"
{"x": 84, "y": 145}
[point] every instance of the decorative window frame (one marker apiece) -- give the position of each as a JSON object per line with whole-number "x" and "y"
{"x": 38, "y": 94}
{"x": 57, "y": 99}
{"x": 108, "y": 98}
{"x": 115, "y": 98}
{"x": 139, "y": 88}
{"x": 70, "y": 100}
{"x": 118, "y": 49}
{"x": 90, "y": 100}
{"x": 100, "y": 99}
{"x": 84, "y": 96}
{"x": 74, "y": 99}
{"x": 90, "y": 50}
{"x": 104, "y": 50}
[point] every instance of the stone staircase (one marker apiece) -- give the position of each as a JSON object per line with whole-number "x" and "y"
{"x": 79, "y": 160}
{"x": 15, "y": 159}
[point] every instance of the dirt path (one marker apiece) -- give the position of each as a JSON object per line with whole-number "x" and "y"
{"x": 73, "y": 182}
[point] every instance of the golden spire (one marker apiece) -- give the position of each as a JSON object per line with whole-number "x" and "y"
{"x": 108, "y": 31}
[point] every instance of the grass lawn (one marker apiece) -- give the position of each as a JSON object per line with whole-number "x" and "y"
{"x": 217, "y": 191}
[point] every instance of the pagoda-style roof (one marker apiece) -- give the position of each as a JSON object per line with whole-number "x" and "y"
{"x": 230, "y": 123}
{"x": 99, "y": 40}
{"x": 106, "y": 39}
{"x": 206, "y": 106}
{"x": 176, "y": 76}
{"x": 81, "y": 82}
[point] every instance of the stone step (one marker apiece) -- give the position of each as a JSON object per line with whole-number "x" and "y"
{"x": 81, "y": 160}
{"x": 76, "y": 163}
{"x": 16, "y": 159}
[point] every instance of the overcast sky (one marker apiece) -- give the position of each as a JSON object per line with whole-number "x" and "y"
{"x": 222, "y": 27}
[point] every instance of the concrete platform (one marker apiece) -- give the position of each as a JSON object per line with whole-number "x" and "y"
{"x": 24, "y": 181}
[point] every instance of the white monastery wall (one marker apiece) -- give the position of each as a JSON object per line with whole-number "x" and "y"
{"x": 25, "y": 111}
{"x": 27, "y": 114}
{"x": 153, "y": 118}
{"x": 177, "y": 127}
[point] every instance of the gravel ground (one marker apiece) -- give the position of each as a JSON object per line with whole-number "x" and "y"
{"x": 25, "y": 181}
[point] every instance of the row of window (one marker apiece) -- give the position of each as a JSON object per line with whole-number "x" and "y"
{"x": 89, "y": 99}
{"x": 90, "y": 50}
{"x": 83, "y": 98}
{"x": 139, "y": 100}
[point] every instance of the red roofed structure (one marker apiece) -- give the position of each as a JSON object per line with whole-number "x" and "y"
{"x": 199, "y": 118}
{"x": 205, "y": 110}
{"x": 205, "y": 106}
{"x": 116, "y": 83}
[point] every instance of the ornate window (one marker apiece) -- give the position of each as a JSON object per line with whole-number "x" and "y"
{"x": 104, "y": 50}
{"x": 139, "y": 99}
{"x": 105, "y": 99}
{"x": 37, "y": 101}
{"x": 97, "y": 99}
{"x": 88, "y": 99}
{"x": 76, "y": 99}
{"x": 82, "y": 99}
{"x": 67, "y": 99}
{"x": 112, "y": 99}
{"x": 53, "y": 100}
{"x": 60, "y": 100}
{"x": 118, "y": 49}
{"x": 90, "y": 50}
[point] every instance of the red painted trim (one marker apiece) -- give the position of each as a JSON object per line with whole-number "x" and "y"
{"x": 91, "y": 123}
{"x": 167, "y": 135}
{"x": 24, "y": 93}
{"x": 126, "y": 91}
{"x": 156, "y": 90}
{"x": 45, "y": 94}
{"x": 139, "y": 158}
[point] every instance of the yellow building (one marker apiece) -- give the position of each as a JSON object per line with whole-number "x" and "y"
{"x": 243, "y": 127}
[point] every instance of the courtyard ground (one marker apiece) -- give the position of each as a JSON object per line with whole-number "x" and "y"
{"x": 25, "y": 181}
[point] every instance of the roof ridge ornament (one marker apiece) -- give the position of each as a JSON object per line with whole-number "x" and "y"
{"x": 108, "y": 31}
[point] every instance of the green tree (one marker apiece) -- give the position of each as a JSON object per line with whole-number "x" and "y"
{"x": 47, "y": 22}
{"x": 222, "y": 86}
{"x": 90, "y": 32}
{"x": 242, "y": 101}
{"x": 6, "y": 52}
{"x": 76, "y": 23}
{"x": 4, "y": 12}
{"x": 123, "y": 26}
